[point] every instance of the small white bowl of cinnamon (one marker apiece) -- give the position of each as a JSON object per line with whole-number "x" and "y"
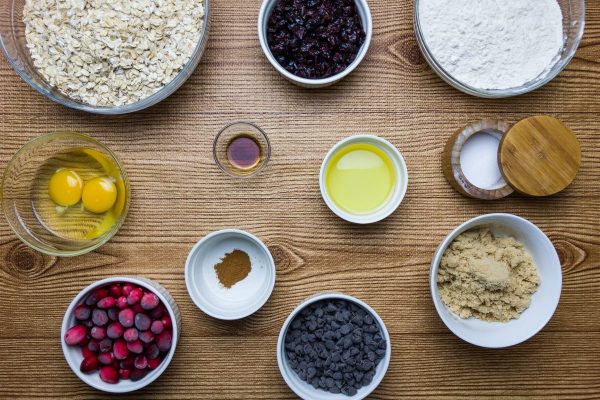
{"x": 230, "y": 274}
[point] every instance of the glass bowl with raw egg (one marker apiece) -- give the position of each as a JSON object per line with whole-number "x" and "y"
{"x": 64, "y": 194}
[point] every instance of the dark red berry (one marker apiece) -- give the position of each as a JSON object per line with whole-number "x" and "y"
{"x": 106, "y": 303}
{"x": 135, "y": 347}
{"x": 137, "y": 374}
{"x": 86, "y": 352}
{"x": 157, "y": 327}
{"x": 130, "y": 334}
{"x": 126, "y": 289}
{"x": 142, "y": 321}
{"x": 149, "y": 301}
{"x": 137, "y": 308}
{"x": 166, "y": 320}
{"x": 152, "y": 351}
{"x": 89, "y": 364}
{"x": 163, "y": 341}
{"x": 140, "y": 362}
{"x": 134, "y": 296}
{"x": 120, "y": 349}
{"x": 153, "y": 363}
{"x": 146, "y": 336}
{"x": 122, "y": 302}
{"x": 157, "y": 312}
{"x": 95, "y": 296}
{"x": 82, "y": 312}
{"x": 115, "y": 290}
{"x": 94, "y": 345}
{"x": 124, "y": 373}
{"x": 105, "y": 345}
{"x": 128, "y": 362}
{"x": 109, "y": 374}
{"x": 99, "y": 317}
{"x": 106, "y": 358}
{"x": 98, "y": 332}
{"x": 115, "y": 330}
{"x": 113, "y": 313}
{"x": 126, "y": 317}
{"x": 75, "y": 335}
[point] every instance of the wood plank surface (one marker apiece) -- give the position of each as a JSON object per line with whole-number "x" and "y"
{"x": 179, "y": 195}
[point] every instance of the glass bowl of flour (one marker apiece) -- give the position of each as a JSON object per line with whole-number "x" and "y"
{"x": 494, "y": 49}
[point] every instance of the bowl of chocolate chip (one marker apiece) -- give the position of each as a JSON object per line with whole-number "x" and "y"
{"x": 333, "y": 346}
{"x": 314, "y": 43}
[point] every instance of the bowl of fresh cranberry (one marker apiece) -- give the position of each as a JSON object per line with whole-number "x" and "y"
{"x": 119, "y": 334}
{"x": 314, "y": 43}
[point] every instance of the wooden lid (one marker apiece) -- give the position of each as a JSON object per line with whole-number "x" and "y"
{"x": 539, "y": 156}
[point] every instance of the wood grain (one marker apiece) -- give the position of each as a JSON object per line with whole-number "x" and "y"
{"x": 179, "y": 195}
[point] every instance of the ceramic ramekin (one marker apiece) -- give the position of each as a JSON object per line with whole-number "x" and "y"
{"x": 245, "y": 297}
{"x": 367, "y": 23}
{"x": 73, "y": 353}
{"x": 305, "y": 390}
{"x": 396, "y": 197}
{"x": 543, "y": 303}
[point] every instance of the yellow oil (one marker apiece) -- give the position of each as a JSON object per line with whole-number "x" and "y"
{"x": 75, "y": 222}
{"x": 360, "y": 178}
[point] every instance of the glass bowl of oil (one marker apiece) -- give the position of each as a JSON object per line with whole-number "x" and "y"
{"x": 241, "y": 149}
{"x": 64, "y": 194}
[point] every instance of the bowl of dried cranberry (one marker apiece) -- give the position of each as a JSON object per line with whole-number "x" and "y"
{"x": 119, "y": 334}
{"x": 314, "y": 43}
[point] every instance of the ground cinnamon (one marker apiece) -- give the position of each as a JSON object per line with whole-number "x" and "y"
{"x": 233, "y": 267}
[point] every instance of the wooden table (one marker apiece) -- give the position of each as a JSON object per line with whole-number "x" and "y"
{"x": 179, "y": 195}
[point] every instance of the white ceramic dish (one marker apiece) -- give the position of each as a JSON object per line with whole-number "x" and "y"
{"x": 367, "y": 23}
{"x": 73, "y": 353}
{"x": 307, "y": 391}
{"x": 543, "y": 303}
{"x": 243, "y": 298}
{"x": 399, "y": 190}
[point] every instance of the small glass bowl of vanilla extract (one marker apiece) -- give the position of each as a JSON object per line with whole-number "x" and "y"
{"x": 241, "y": 149}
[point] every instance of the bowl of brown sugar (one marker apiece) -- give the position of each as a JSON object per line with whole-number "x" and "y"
{"x": 230, "y": 274}
{"x": 496, "y": 280}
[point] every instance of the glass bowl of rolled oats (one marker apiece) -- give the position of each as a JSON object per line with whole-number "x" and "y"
{"x": 104, "y": 57}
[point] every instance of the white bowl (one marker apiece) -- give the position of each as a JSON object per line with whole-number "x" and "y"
{"x": 367, "y": 23}
{"x": 399, "y": 190}
{"x": 73, "y": 353}
{"x": 543, "y": 303}
{"x": 243, "y": 298}
{"x": 304, "y": 389}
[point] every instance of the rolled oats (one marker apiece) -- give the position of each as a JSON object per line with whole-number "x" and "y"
{"x": 111, "y": 53}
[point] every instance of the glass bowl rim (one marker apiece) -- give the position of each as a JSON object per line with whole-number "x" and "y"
{"x": 108, "y": 234}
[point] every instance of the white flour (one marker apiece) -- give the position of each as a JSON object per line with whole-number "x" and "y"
{"x": 493, "y": 44}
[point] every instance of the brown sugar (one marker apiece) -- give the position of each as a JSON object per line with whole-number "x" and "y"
{"x": 234, "y": 267}
{"x": 487, "y": 277}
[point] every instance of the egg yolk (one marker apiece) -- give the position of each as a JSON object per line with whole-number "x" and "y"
{"x": 65, "y": 188}
{"x": 99, "y": 195}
